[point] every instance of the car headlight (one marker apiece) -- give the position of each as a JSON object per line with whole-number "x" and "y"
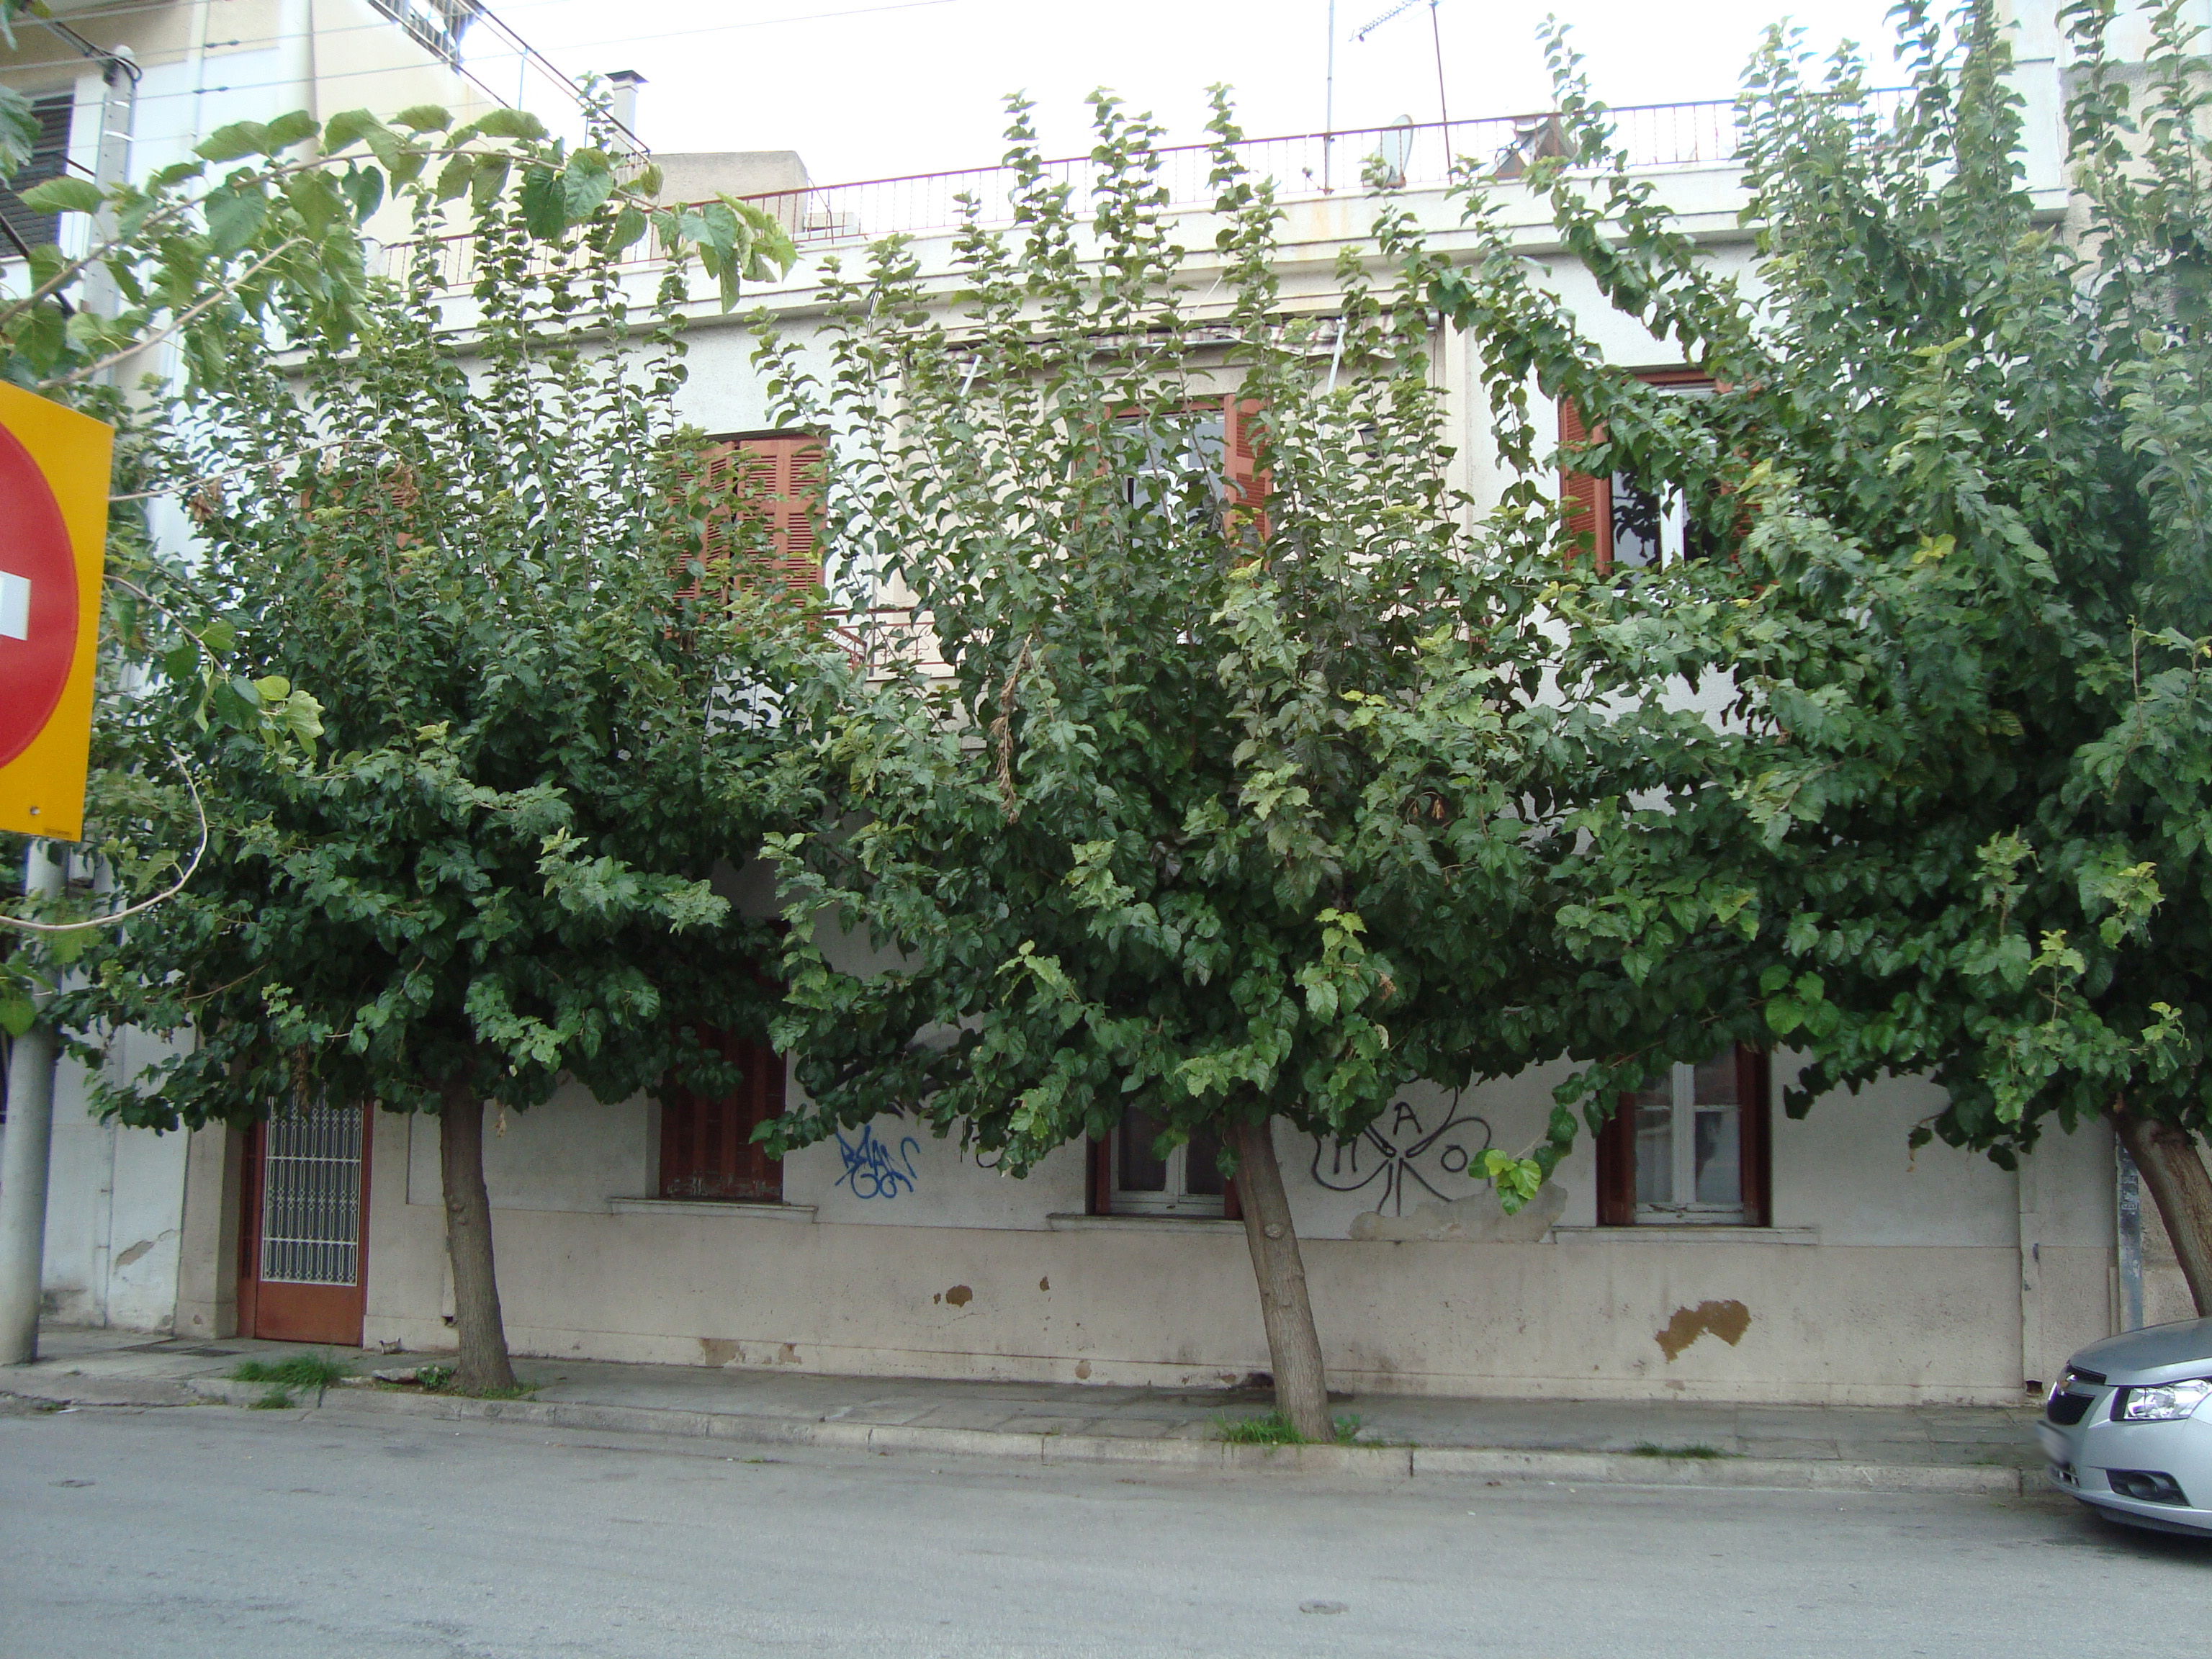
{"x": 2165, "y": 1403}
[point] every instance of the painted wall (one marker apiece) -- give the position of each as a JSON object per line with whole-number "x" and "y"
{"x": 1887, "y": 1279}
{"x": 114, "y": 1213}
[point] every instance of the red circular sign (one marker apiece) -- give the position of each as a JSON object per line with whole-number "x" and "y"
{"x": 38, "y": 599}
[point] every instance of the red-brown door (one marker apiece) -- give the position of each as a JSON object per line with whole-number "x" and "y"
{"x": 303, "y": 1240}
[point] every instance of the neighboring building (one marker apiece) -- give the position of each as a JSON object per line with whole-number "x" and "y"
{"x": 122, "y": 87}
{"x": 1707, "y": 1248}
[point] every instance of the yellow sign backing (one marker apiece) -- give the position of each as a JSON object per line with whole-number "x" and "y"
{"x": 54, "y": 470}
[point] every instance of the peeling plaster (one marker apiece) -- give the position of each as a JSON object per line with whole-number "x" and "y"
{"x": 1728, "y": 1321}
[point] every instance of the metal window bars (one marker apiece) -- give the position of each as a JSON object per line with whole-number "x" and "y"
{"x": 311, "y": 1197}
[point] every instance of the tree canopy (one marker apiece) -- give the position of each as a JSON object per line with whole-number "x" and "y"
{"x": 1958, "y": 458}
{"x": 476, "y": 862}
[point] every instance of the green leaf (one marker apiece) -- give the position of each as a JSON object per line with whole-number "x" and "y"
{"x": 585, "y": 184}
{"x": 235, "y": 216}
{"x": 545, "y": 206}
{"x": 509, "y": 124}
{"x": 630, "y": 227}
{"x": 65, "y": 195}
{"x": 426, "y": 118}
{"x": 455, "y": 176}
{"x": 348, "y": 128}
{"x": 220, "y": 636}
{"x": 18, "y": 1013}
{"x": 364, "y": 188}
{"x": 294, "y": 127}
{"x": 181, "y": 661}
{"x": 240, "y": 138}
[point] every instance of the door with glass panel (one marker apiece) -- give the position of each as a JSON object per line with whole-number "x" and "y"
{"x": 303, "y": 1238}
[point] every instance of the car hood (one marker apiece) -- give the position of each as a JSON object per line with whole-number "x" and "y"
{"x": 2157, "y": 1353}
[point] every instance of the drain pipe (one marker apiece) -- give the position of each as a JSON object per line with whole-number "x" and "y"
{"x": 2127, "y": 1227}
{"x": 25, "y": 1148}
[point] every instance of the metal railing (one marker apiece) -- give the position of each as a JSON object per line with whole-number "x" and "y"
{"x": 1310, "y": 164}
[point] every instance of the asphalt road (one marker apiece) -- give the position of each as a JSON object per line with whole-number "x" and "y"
{"x": 217, "y": 1532}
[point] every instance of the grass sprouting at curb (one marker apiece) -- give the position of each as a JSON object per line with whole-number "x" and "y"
{"x": 1274, "y": 1429}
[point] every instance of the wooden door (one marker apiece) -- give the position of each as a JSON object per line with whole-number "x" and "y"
{"x": 303, "y": 1240}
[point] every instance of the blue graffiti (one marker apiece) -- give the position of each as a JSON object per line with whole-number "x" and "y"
{"x": 872, "y": 1169}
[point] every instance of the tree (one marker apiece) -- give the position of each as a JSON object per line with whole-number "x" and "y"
{"x": 478, "y": 861}
{"x": 1959, "y": 460}
{"x": 262, "y": 229}
{"x": 1234, "y": 800}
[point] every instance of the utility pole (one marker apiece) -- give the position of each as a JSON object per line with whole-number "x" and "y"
{"x": 26, "y": 1147}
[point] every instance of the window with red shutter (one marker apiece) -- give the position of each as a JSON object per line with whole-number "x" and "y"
{"x": 1623, "y": 520}
{"x": 764, "y": 494}
{"x": 1128, "y": 1177}
{"x": 1216, "y": 438}
{"x": 707, "y": 1148}
{"x": 1691, "y": 1147}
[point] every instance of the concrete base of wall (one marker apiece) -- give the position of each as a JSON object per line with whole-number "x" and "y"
{"x": 1585, "y": 1317}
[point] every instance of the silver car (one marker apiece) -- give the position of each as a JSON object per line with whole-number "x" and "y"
{"x": 2128, "y": 1427}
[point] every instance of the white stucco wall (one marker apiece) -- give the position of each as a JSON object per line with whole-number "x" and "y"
{"x": 1888, "y": 1278}
{"x": 114, "y": 1216}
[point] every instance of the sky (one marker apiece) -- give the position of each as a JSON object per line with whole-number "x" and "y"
{"x": 881, "y": 88}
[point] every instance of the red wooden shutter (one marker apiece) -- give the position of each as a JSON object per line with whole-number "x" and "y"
{"x": 1616, "y": 1166}
{"x": 712, "y": 470}
{"x": 707, "y": 1148}
{"x": 1754, "y": 1122}
{"x": 1098, "y": 1194}
{"x": 1240, "y": 447}
{"x": 764, "y": 496}
{"x": 781, "y": 481}
{"x": 1587, "y": 500}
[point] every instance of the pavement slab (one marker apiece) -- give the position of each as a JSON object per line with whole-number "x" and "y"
{"x": 1651, "y": 1442}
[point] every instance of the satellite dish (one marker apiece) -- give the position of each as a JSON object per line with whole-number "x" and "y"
{"x": 1397, "y": 149}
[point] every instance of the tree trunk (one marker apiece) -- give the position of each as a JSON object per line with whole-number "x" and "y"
{"x": 2166, "y": 1160}
{"x": 483, "y": 1364}
{"x": 1293, "y": 1347}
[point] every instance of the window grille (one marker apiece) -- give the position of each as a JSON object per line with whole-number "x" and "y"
{"x": 310, "y": 1198}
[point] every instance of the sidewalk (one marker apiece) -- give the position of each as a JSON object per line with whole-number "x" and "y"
{"x": 1968, "y": 1449}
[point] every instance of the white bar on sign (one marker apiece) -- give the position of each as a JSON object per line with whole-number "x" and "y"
{"x": 15, "y": 606}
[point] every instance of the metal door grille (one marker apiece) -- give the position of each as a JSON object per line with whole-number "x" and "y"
{"x": 310, "y": 1198}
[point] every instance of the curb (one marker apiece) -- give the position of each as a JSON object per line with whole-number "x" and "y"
{"x": 1353, "y": 1462}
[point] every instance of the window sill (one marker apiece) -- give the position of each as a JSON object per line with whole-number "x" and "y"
{"x": 756, "y": 1209}
{"x": 1687, "y": 1232}
{"x": 1158, "y": 1223}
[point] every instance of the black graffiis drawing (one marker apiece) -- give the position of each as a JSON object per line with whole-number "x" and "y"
{"x": 1398, "y": 1148}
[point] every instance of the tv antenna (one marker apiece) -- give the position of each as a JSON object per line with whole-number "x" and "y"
{"x": 1436, "y": 39}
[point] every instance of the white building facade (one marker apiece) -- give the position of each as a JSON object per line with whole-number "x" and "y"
{"x": 1837, "y": 1268}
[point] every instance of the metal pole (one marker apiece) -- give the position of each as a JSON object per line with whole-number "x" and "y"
{"x": 1443, "y": 109}
{"x": 25, "y": 1146}
{"x": 1328, "y": 101}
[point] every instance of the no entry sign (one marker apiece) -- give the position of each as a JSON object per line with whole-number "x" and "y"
{"x": 54, "y": 466}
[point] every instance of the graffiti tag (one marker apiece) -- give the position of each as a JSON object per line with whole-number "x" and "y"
{"x": 1396, "y": 1148}
{"x": 872, "y": 1169}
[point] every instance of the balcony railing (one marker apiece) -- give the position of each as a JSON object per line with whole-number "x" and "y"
{"x": 1311, "y": 165}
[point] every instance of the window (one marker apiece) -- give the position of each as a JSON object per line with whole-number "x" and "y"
{"x": 1201, "y": 463}
{"x": 1130, "y": 1176}
{"x": 707, "y": 1148}
{"x": 1690, "y": 1147}
{"x": 49, "y": 159}
{"x": 1632, "y": 522}
{"x": 766, "y": 491}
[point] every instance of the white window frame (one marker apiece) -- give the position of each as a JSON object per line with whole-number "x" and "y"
{"x": 1683, "y": 1105}
{"x": 1177, "y": 1199}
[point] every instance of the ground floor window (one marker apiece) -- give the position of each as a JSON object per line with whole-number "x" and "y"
{"x": 707, "y": 1148}
{"x": 1691, "y": 1147}
{"x": 1130, "y": 1176}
